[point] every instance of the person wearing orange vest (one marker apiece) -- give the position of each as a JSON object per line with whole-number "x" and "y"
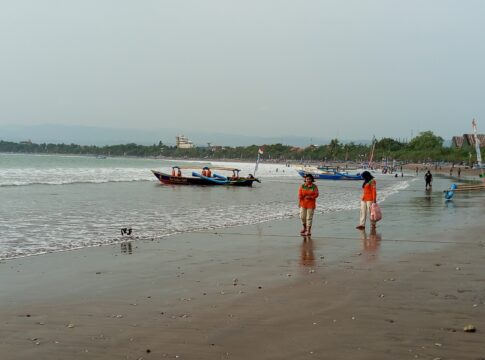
{"x": 369, "y": 196}
{"x": 307, "y": 195}
{"x": 206, "y": 172}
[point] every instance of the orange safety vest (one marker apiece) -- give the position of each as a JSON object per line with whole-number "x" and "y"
{"x": 369, "y": 191}
{"x": 308, "y": 191}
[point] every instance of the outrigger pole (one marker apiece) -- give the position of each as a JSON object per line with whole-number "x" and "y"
{"x": 260, "y": 152}
{"x": 477, "y": 147}
{"x": 454, "y": 187}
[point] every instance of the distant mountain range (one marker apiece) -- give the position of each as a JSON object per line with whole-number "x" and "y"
{"x": 89, "y": 135}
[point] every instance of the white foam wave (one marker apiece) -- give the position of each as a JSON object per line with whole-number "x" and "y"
{"x": 78, "y": 230}
{"x": 66, "y": 175}
{"x": 60, "y": 176}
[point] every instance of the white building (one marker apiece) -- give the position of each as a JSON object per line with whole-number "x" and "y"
{"x": 183, "y": 142}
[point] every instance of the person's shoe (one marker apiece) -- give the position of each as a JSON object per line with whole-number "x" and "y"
{"x": 360, "y": 227}
{"x": 303, "y": 231}
{"x": 309, "y": 231}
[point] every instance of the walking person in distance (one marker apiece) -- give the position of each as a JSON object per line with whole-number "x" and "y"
{"x": 369, "y": 196}
{"x": 307, "y": 195}
{"x": 429, "y": 179}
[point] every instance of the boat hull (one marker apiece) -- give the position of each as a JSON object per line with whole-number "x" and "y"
{"x": 168, "y": 179}
{"x": 331, "y": 176}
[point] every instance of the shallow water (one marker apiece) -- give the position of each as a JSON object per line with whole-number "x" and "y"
{"x": 57, "y": 203}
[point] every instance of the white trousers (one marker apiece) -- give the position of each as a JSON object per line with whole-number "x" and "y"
{"x": 306, "y": 216}
{"x": 365, "y": 212}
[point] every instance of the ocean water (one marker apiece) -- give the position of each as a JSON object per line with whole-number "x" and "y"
{"x": 52, "y": 203}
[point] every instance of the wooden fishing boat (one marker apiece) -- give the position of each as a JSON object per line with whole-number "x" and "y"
{"x": 469, "y": 187}
{"x": 460, "y": 187}
{"x": 199, "y": 179}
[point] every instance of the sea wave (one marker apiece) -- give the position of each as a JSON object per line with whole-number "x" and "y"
{"x": 78, "y": 230}
{"x": 96, "y": 175}
{"x": 62, "y": 176}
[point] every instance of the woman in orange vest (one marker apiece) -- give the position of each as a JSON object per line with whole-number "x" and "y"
{"x": 206, "y": 171}
{"x": 369, "y": 196}
{"x": 307, "y": 195}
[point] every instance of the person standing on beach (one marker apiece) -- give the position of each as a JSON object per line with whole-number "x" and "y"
{"x": 369, "y": 197}
{"x": 307, "y": 195}
{"x": 429, "y": 179}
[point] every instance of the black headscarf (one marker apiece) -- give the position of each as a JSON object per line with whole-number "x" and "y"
{"x": 310, "y": 176}
{"x": 367, "y": 177}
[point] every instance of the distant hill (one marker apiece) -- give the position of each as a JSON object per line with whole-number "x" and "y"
{"x": 99, "y": 136}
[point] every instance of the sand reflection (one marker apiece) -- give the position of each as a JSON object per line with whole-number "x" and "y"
{"x": 307, "y": 256}
{"x": 371, "y": 243}
{"x": 126, "y": 248}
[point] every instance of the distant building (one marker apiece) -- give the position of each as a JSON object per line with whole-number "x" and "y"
{"x": 215, "y": 148}
{"x": 457, "y": 141}
{"x": 183, "y": 142}
{"x": 467, "y": 140}
{"x": 28, "y": 142}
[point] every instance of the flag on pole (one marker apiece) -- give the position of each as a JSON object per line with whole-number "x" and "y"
{"x": 260, "y": 152}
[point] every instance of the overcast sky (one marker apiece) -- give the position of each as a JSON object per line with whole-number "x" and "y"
{"x": 341, "y": 68}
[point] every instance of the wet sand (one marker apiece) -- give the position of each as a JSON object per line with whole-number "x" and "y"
{"x": 465, "y": 173}
{"x": 254, "y": 292}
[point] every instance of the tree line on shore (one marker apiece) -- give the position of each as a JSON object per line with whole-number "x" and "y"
{"x": 425, "y": 147}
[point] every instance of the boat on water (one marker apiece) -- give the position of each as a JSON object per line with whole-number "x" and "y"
{"x": 200, "y": 179}
{"x": 330, "y": 175}
{"x": 449, "y": 193}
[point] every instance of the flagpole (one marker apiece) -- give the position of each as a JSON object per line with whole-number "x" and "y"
{"x": 260, "y": 151}
{"x": 256, "y": 166}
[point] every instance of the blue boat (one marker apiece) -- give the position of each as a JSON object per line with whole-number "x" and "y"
{"x": 449, "y": 194}
{"x": 331, "y": 175}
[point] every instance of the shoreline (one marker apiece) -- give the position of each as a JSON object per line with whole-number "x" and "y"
{"x": 257, "y": 291}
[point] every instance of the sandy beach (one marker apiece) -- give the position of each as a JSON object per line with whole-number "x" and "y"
{"x": 259, "y": 292}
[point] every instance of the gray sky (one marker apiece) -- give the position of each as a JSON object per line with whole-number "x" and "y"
{"x": 342, "y": 68}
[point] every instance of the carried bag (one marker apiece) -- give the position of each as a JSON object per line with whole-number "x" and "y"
{"x": 375, "y": 212}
